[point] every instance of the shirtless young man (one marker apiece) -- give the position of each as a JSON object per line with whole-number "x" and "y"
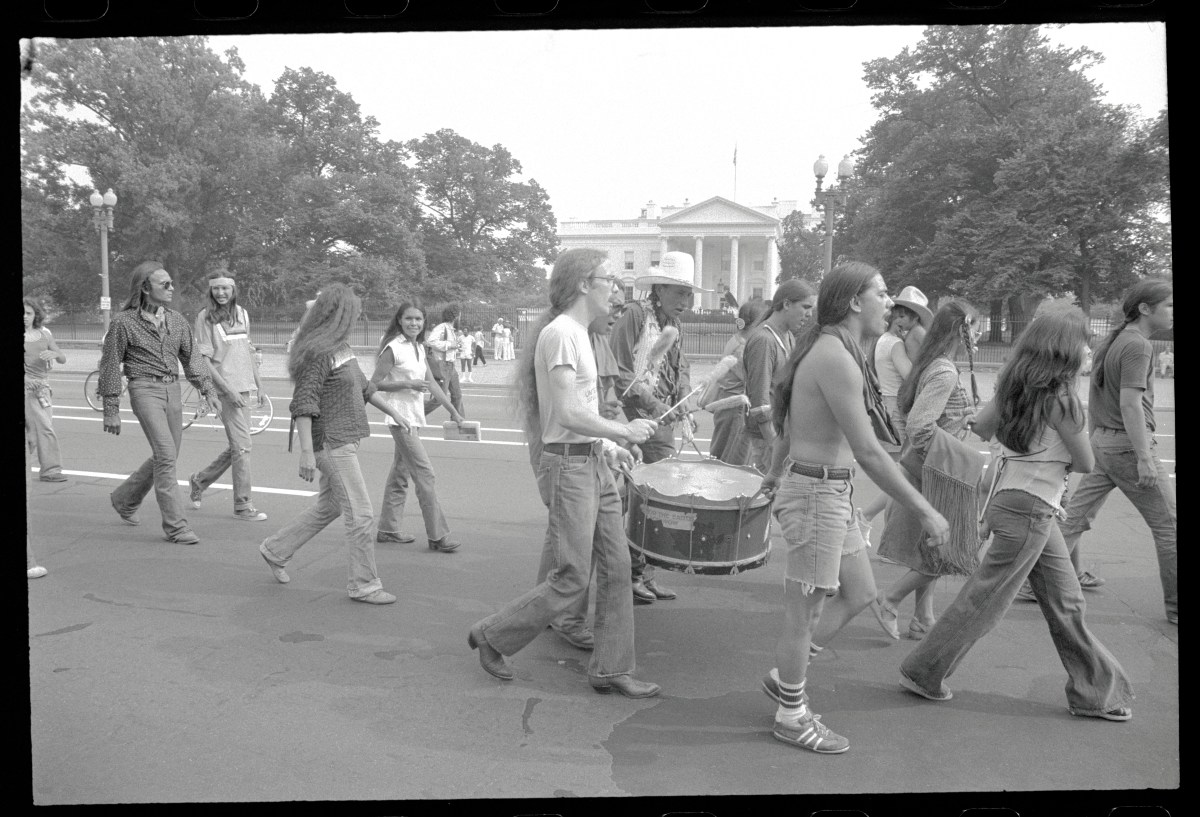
{"x": 821, "y": 417}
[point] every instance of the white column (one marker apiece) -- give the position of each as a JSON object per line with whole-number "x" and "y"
{"x": 733, "y": 269}
{"x": 662, "y": 246}
{"x": 772, "y": 267}
{"x": 698, "y": 257}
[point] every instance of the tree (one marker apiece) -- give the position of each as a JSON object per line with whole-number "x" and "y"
{"x": 161, "y": 120}
{"x": 801, "y": 250}
{"x": 483, "y": 229}
{"x": 995, "y": 172}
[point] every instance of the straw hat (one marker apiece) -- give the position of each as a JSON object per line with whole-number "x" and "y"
{"x": 915, "y": 300}
{"x": 675, "y": 269}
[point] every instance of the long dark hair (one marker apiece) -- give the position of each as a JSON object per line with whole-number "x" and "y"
{"x": 216, "y": 313}
{"x": 1038, "y": 377}
{"x": 396, "y": 327}
{"x": 838, "y": 289}
{"x": 324, "y": 328}
{"x": 139, "y": 284}
{"x": 951, "y": 325}
{"x": 571, "y": 267}
{"x": 752, "y": 313}
{"x": 1149, "y": 291}
{"x": 38, "y": 314}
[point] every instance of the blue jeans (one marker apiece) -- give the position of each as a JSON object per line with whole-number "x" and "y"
{"x": 39, "y": 429}
{"x": 1116, "y": 467}
{"x": 411, "y": 460}
{"x": 342, "y": 492}
{"x": 159, "y": 411}
{"x": 585, "y": 526}
{"x": 236, "y": 420}
{"x": 816, "y": 517}
{"x": 1025, "y": 543}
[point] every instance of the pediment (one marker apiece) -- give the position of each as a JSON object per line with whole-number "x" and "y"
{"x": 718, "y": 210}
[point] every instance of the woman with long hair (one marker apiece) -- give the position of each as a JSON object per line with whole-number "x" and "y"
{"x": 1037, "y": 418}
{"x": 222, "y": 335}
{"x": 729, "y": 442}
{"x": 931, "y": 397}
{"x": 40, "y": 350}
{"x": 403, "y": 378}
{"x": 328, "y": 408}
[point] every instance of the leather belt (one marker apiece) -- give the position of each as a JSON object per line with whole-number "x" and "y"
{"x": 158, "y": 378}
{"x": 570, "y": 449}
{"x": 805, "y": 469}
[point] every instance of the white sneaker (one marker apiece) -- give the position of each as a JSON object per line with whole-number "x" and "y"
{"x": 36, "y": 572}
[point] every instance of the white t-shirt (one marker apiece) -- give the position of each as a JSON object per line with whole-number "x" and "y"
{"x": 564, "y": 342}
{"x": 889, "y": 378}
{"x": 409, "y": 403}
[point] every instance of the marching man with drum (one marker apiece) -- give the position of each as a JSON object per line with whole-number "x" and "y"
{"x": 557, "y": 392}
{"x": 819, "y": 407}
{"x": 672, "y": 286}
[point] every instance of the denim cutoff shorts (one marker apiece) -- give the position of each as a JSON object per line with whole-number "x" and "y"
{"x": 817, "y": 519}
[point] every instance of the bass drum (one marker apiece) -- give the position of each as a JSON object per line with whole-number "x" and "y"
{"x": 701, "y": 516}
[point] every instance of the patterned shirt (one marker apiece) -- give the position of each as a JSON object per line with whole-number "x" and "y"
{"x": 145, "y": 350}
{"x": 942, "y": 401}
{"x": 334, "y": 391}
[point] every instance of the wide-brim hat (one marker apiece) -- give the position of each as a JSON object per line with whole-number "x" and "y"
{"x": 915, "y": 300}
{"x": 674, "y": 269}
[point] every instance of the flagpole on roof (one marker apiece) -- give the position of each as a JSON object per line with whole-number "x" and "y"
{"x": 735, "y": 171}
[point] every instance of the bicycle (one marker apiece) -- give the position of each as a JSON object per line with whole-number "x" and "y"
{"x": 91, "y": 390}
{"x": 262, "y": 411}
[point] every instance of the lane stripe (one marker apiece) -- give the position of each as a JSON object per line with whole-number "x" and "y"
{"x": 216, "y": 486}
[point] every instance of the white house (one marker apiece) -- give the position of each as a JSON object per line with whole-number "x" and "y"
{"x": 735, "y": 246}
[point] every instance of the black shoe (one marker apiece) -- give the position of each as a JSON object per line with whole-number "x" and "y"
{"x": 490, "y": 658}
{"x": 659, "y": 592}
{"x": 627, "y": 685}
{"x": 642, "y": 594}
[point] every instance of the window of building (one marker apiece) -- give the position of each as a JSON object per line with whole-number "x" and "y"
{"x": 724, "y": 263}
{"x": 757, "y": 292}
{"x": 654, "y": 256}
{"x": 629, "y": 293}
{"x": 629, "y": 259}
{"x": 758, "y": 265}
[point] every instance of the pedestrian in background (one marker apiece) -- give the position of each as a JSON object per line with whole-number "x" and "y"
{"x": 1122, "y": 423}
{"x": 442, "y": 342}
{"x": 403, "y": 378}
{"x": 40, "y": 350}
{"x": 223, "y": 336}
{"x": 466, "y": 354}
{"x": 150, "y": 341}
{"x": 328, "y": 409}
{"x": 729, "y": 441}
{"x": 477, "y": 355}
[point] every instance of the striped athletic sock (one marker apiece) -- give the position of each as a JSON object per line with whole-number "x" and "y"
{"x": 792, "y": 707}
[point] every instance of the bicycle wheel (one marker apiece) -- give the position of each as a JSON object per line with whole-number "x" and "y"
{"x": 194, "y": 405}
{"x": 260, "y": 416}
{"x": 91, "y": 391}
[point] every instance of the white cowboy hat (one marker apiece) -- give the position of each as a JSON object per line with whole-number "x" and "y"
{"x": 915, "y": 300}
{"x": 675, "y": 269}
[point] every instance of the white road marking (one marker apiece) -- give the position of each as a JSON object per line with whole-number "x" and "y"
{"x": 216, "y": 486}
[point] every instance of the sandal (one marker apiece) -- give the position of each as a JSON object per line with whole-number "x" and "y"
{"x": 1121, "y": 713}
{"x": 918, "y": 630}
{"x": 887, "y": 615}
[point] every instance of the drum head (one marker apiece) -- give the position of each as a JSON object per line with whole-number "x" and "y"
{"x": 712, "y": 480}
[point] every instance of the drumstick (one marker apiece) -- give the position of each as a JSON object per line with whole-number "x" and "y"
{"x": 720, "y": 370}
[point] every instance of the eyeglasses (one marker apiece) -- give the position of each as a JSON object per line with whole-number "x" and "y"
{"x": 611, "y": 279}
{"x": 167, "y": 284}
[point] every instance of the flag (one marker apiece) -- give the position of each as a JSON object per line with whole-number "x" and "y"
{"x": 735, "y": 153}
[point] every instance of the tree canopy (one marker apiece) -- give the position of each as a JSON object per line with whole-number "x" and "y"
{"x": 995, "y": 171}
{"x": 285, "y": 193}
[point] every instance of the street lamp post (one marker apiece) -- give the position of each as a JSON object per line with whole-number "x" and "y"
{"x": 102, "y": 220}
{"x": 831, "y": 200}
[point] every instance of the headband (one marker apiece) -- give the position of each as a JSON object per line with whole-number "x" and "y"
{"x": 220, "y": 282}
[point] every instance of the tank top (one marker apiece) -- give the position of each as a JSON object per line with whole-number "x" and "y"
{"x": 34, "y": 365}
{"x": 889, "y": 377}
{"x": 1042, "y": 472}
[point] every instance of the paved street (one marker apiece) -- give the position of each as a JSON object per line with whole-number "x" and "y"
{"x": 162, "y": 673}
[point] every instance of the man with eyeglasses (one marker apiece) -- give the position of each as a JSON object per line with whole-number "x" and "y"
{"x": 150, "y": 341}
{"x": 671, "y": 287}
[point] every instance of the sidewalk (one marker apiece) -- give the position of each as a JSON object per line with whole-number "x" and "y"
{"x": 500, "y": 373}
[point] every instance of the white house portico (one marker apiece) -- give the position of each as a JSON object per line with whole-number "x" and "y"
{"x": 735, "y": 246}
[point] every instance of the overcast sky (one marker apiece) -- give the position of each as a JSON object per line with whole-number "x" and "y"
{"x": 607, "y": 120}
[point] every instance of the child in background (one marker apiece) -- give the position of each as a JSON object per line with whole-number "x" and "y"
{"x": 466, "y": 355}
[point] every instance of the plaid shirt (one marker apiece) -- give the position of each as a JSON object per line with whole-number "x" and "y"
{"x": 145, "y": 351}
